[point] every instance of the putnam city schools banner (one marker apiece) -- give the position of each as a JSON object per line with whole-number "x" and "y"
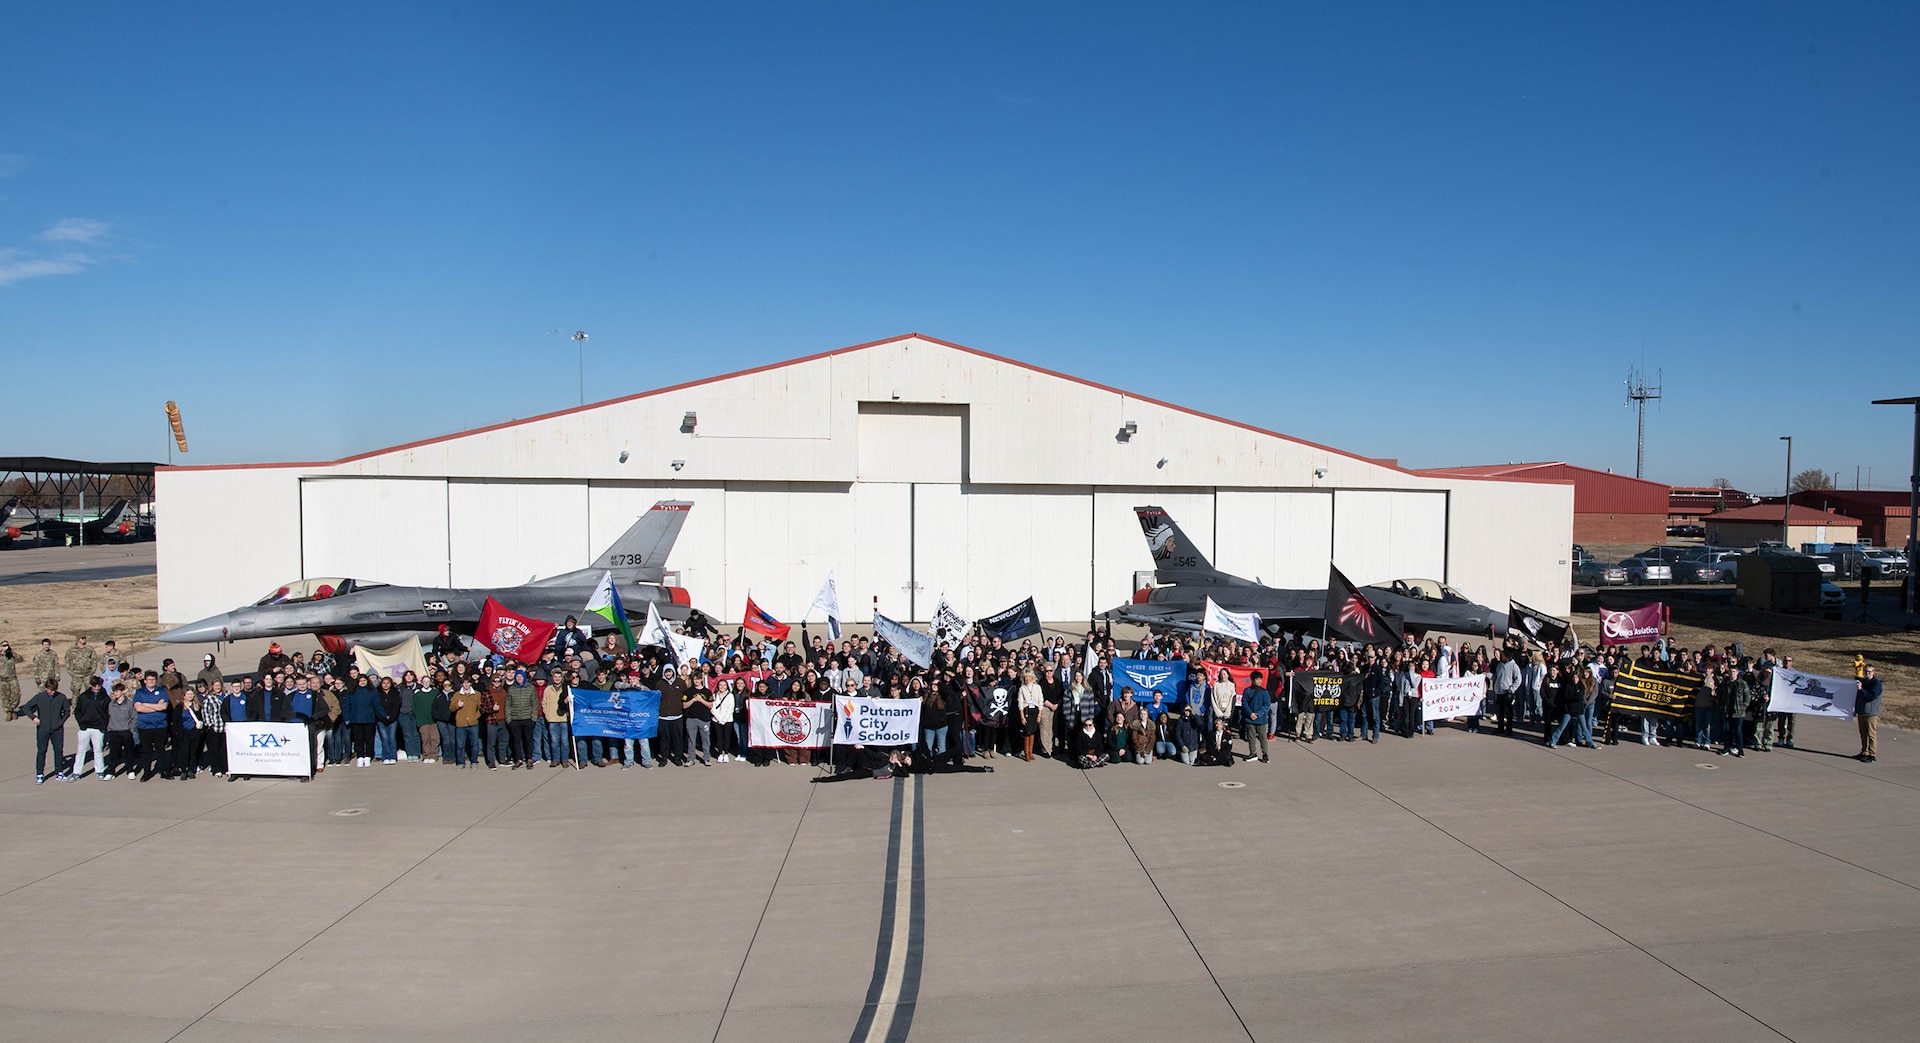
{"x": 915, "y": 647}
{"x": 261, "y": 748}
{"x": 786, "y": 724}
{"x": 1635, "y": 626}
{"x": 1322, "y": 693}
{"x": 1150, "y": 676}
{"x": 1444, "y": 698}
{"x": 392, "y": 662}
{"x": 1012, "y": 624}
{"x": 1643, "y": 691}
{"x": 629, "y": 713}
{"x": 1241, "y": 626}
{"x": 1795, "y": 692}
{"x": 1539, "y": 627}
{"x": 877, "y": 722}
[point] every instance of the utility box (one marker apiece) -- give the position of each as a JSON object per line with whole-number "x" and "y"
{"x": 1779, "y": 582}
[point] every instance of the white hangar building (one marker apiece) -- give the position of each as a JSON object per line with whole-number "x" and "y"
{"x": 911, "y": 467}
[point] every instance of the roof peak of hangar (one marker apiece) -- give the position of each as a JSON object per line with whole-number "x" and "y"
{"x": 848, "y": 350}
{"x": 1515, "y": 469}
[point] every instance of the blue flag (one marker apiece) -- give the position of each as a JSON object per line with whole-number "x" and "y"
{"x": 624, "y": 714}
{"x": 1165, "y": 677}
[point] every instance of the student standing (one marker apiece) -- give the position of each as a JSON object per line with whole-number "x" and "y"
{"x": 49, "y": 711}
{"x": 90, "y": 719}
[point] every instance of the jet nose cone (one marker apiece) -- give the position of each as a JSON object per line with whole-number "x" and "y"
{"x": 212, "y": 628}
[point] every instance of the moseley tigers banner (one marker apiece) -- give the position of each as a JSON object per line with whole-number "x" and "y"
{"x": 1641, "y": 690}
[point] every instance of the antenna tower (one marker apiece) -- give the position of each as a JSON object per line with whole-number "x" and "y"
{"x": 1638, "y": 395}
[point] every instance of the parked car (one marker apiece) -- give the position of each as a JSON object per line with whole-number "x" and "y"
{"x": 1647, "y": 570}
{"x": 1580, "y": 555}
{"x": 1884, "y": 564}
{"x": 1591, "y": 573}
{"x": 1687, "y": 532}
{"x": 1831, "y": 596}
{"x": 1698, "y": 570}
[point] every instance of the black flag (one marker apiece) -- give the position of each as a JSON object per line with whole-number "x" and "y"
{"x": 1539, "y": 627}
{"x": 1010, "y": 625}
{"x": 1351, "y": 617}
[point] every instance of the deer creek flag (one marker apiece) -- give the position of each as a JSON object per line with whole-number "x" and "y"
{"x": 1351, "y": 617}
{"x": 1241, "y": 626}
{"x": 507, "y": 633}
{"x": 1150, "y": 677}
{"x": 760, "y": 622}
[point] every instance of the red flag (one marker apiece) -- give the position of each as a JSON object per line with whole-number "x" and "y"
{"x": 760, "y": 622}
{"x": 512, "y": 635}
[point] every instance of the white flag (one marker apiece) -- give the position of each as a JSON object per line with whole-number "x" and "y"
{"x": 949, "y": 627}
{"x": 915, "y": 647}
{"x": 1795, "y": 692}
{"x": 392, "y": 662}
{"x": 828, "y": 601}
{"x": 685, "y": 650}
{"x": 1241, "y": 626}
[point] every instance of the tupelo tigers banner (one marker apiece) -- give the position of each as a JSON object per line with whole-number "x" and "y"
{"x": 1643, "y": 691}
{"x": 1321, "y": 693}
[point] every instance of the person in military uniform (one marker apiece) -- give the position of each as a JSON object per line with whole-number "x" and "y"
{"x": 46, "y": 665}
{"x": 82, "y": 663}
{"x": 9, "y": 682}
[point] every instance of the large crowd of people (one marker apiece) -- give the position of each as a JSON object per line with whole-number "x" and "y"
{"x": 983, "y": 699}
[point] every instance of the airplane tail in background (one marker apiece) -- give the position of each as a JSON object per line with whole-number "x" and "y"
{"x": 1176, "y": 558}
{"x": 113, "y": 516}
{"x": 640, "y": 554}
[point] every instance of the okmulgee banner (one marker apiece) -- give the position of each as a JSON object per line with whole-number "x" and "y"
{"x": 787, "y": 724}
{"x": 1150, "y": 676}
{"x": 1444, "y": 698}
{"x": 263, "y": 748}
{"x": 1319, "y": 693}
{"x": 1795, "y": 692}
{"x": 1635, "y": 626}
{"x": 627, "y": 713}
{"x": 917, "y": 648}
{"x": 1643, "y": 691}
{"x": 877, "y": 722}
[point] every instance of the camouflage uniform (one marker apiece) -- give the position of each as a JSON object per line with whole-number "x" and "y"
{"x": 82, "y": 663}
{"x": 46, "y": 667}
{"x": 9, "y": 687}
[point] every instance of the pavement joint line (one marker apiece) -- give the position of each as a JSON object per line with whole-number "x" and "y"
{"x": 361, "y": 904}
{"x": 764, "y": 906}
{"x": 1197, "y": 954}
{"x": 1570, "y": 907}
{"x": 894, "y": 989}
{"x": 1739, "y": 822}
{"x": 136, "y": 840}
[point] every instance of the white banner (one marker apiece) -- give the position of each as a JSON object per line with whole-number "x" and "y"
{"x": 685, "y": 650}
{"x": 949, "y": 627}
{"x": 1795, "y": 692}
{"x": 828, "y": 601}
{"x": 786, "y": 724}
{"x": 916, "y": 647}
{"x": 1241, "y": 626}
{"x": 1443, "y": 698}
{"x": 877, "y": 722}
{"x": 392, "y": 662}
{"x": 261, "y": 748}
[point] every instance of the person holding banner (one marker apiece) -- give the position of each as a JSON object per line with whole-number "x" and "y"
{"x": 1866, "y": 710}
{"x": 1256, "y": 707}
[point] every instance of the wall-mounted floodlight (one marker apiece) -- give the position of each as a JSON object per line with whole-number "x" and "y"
{"x": 1127, "y": 431}
{"x": 688, "y": 422}
{"x": 678, "y": 464}
{"x": 1162, "y": 463}
{"x": 623, "y": 456}
{"x": 896, "y": 394}
{"x": 1319, "y": 472}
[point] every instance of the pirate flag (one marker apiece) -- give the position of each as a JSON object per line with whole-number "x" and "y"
{"x": 1539, "y": 627}
{"x": 1351, "y": 617}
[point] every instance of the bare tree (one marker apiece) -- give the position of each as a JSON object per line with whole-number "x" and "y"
{"x": 1721, "y": 483}
{"x": 1811, "y": 478}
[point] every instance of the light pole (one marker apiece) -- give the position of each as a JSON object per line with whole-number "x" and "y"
{"x": 580, "y": 343}
{"x": 1913, "y": 494}
{"x": 1786, "y": 500}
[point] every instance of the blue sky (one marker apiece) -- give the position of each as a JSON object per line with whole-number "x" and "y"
{"x": 1441, "y": 233}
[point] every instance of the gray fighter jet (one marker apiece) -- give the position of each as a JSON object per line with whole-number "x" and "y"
{"x": 1183, "y": 579}
{"x": 347, "y": 612}
{"x": 116, "y": 523}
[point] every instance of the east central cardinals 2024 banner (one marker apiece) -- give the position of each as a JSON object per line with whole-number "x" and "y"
{"x": 627, "y": 713}
{"x": 1641, "y": 690}
{"x": 1444, "y": 698}
{"x": 1635, "y": 626}
{"x": 1795, "y": 692}
{"x": 510, "y": 634}
{"x": 786, "y": 724}
{"x": 1150, "y": 677}
{"x": 877, "y": 722}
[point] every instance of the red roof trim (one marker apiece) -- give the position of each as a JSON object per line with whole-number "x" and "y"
{"x": 828, "y": 354}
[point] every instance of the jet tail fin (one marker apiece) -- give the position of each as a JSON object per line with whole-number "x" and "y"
{"x": 114, "y": 514}
{"x": 641, "y": 552}
{"x": 1176, "y": 558}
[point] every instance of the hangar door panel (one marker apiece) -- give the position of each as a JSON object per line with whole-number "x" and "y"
{"x": 781, "y": 540}
{"x": 698, "y": 557}
{"x": 387, "y": 530}
{"x": 939, "y": 551}
{"x": 883, "y": 534}
{"x": 1282, "y": 539}
{"x": 1034, "y": 541}
{"x": 1386, "y": 535}
{"x": 1119, "y": 548}
{"x": 505, "y": 533}
{"x": 912, "y": 442}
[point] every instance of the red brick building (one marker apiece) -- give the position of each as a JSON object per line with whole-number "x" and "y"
{"x": 1690, "y": 504}
{"x": 1882, "y": 513}
{"x": 1608, "y": 508}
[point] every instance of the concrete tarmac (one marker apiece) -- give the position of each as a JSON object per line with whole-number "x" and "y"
{"x": 1453, "y": 887}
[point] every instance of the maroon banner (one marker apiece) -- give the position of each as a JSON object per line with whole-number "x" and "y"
{"x": 1642, "y": 625}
